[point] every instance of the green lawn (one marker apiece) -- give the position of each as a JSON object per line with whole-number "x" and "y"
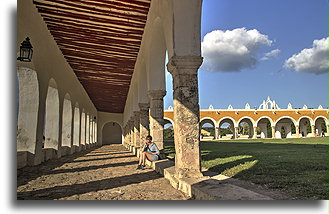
{"x": 297, "y": 167}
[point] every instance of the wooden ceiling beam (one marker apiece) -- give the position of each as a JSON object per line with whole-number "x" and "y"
{"x": 68, "y": 5}
{"x": 95, "y": 20}
{"x": 88, "y": 25}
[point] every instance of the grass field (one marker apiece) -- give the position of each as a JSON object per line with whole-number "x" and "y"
{"x": 297, "y": 167}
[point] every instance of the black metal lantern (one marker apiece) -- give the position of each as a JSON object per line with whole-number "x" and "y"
{"x": 25, "y": 53}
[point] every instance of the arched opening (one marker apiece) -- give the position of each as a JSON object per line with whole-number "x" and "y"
{"x": 321, "y": 127}
{"x": 168, "y": 131}
{"x": 95, "y": 132}
{"x": 66, "y": 126}
{"x": 226, "y": 129}
{"x": 83, "y": 129}
{"x": 28, "y": 100}
{"x": 207, "y": 129}
{"x": 91, "y": 130}
{"x": 87, "y": 130}
{"x": 284, "y": 127}
{"x": 305, "y": 127}
{"x": 111, "y": 133}
{"x": 245, "y": 130}
{"x": 51, "y": 121}
{"x": 76, "y": 128}
{"x": 264, "y": 128}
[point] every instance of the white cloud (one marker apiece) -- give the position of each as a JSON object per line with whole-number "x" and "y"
{"x": 232, "y": 50}
{"x": 272, "y": 53}
{"x": 311, "y": 60}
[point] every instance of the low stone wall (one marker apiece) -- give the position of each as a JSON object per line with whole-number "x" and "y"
{"x": 203, "y": 188}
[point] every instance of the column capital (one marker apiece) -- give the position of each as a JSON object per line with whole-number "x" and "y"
{"x": 184, "y": 64}
{"x": 144, "y": 106}
{"x": 156, "y": 94}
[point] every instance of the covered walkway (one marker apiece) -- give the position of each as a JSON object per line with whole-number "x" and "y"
{"x": 104, "y": 173}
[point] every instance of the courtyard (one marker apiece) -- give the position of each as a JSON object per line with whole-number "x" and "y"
{"x": 296, "y": 167}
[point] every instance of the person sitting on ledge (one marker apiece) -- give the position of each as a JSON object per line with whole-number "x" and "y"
{"x": 149, "y": 151}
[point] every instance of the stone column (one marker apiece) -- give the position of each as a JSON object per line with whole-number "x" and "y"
{"x": 184, "y": 70}
{"x": 156, "y": 116}
{"x": 297, "y": 131}
{"x": 273, "y": 132}
{"x": 136, "y": 129}
{"x": 216, "y": 133}
{"x": 144, "y": 129}
{"x": 254, "y": 136}
{"x": 236, "y": 132}
{"x": 313, "y": 130}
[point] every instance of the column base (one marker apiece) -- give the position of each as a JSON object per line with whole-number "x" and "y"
{"x": 187, "y": 173}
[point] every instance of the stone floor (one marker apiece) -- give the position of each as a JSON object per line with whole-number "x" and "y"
{"x": 105, "y": 173}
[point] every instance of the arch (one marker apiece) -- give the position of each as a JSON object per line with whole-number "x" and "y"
{"x": 83, "y": 128}
{"x": 227, "y": 118}
{"x": 310, "y": 119}
{"x": 321, "y": 127}
{"x": 264, "y": 130}
{"x": 111, "y": 133}
{"x": 168, "y": 119}
{"x": 324, "y": 118}
{"x": 281, "y": 124}
{"x": 207, "y": 131}
{"x": 91, "y": 130}
{"x": 305, "y": 126}
{"x": 28, "y": 107}
{"x": 265, "y": 117}
{"x": 87, "y": 129}
{"x": 168, "y": 132}
{"x": 207, "y": 118}
{"x": 51, "y": 131}
{"x": 76, "y": 127}
{"x": 249, "y": 118}
{"x": 251, "y": 125}
{"x": 66, "y": 125}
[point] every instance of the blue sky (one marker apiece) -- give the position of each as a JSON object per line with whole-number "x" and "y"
{"x": 286, "y": 27}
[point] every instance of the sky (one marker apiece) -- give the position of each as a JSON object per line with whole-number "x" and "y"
{"x": 254, "y": 49}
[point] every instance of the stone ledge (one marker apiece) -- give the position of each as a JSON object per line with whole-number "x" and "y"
{"x": 203, "y": 188}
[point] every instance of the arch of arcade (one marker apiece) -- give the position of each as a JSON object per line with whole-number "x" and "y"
{"x": 95, "y": 64}
{"x": 265, "y": 119}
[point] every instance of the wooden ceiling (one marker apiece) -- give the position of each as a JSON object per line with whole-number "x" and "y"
{"x": 100, "y": 39}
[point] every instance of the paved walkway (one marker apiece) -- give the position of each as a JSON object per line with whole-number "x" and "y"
{"x": 105, "y": 173}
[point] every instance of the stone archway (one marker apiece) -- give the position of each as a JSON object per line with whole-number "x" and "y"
{"x": 51, "y": 130}
{"x": 66, "y": 126}
{"x": 245, "y": 128}
{"x": 321, "y": 126}
{"x": 168, "y": 130}
{"x": 305, "y": 126}
{"x": 87, "y": 130}
{"x": 76, "y": 128}
{"x": 111, "y": 133}
{"x": 284, "y": 128}
{"x": 207, "y": 129}
{"x": 83, "y": 130}
{"x": 264, "y": 125}
{"x": 28, "y": 107}
{"x": 226, "y": 129}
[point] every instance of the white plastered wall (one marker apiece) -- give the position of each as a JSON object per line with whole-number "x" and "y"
{"x": 48, "y": 62}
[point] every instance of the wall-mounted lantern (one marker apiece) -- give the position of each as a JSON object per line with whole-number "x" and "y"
{"x": 26, "y": 51}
